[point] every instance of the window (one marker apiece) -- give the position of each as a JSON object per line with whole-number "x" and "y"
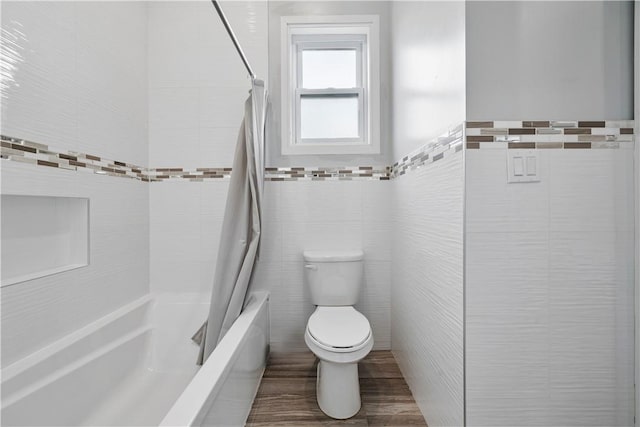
{"x": 330, "y": 85}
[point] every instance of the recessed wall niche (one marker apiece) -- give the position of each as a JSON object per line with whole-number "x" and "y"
{"x": 42, "y": 235}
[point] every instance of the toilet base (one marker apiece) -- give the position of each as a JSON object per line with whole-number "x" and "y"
{"x": 338, "y": 389}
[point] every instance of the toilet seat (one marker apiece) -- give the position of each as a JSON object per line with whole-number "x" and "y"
{"x": 339, "y": 329}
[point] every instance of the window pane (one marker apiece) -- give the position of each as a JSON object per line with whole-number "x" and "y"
{"x": 329, "y": 116}
{"x": 323, "y": 69}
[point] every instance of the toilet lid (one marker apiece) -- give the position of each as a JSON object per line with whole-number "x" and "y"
{"x": 340, "y": 327}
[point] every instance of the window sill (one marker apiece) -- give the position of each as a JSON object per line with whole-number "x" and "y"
{"x": 311, "y": 149}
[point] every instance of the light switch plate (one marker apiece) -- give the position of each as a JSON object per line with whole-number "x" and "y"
{"x": 522, "y": 166}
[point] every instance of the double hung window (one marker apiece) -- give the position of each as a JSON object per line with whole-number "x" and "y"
{"x": 330, "y": 86}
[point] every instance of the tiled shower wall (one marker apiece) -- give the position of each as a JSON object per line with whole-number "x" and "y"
{"x": 196, "y": 106}
{"x": 197, "y": 89}
{"x": 76, "y": 81}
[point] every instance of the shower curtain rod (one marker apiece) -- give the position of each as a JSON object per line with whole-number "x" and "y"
{"x": 233, "y": 38}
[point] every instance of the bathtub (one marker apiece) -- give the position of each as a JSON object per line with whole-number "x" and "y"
{"x": 135, "y": 367}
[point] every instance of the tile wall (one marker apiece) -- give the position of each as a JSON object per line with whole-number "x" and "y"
{"x": 317, "y": 215}
{"x": 428, "y": 54}
{"x": 342, "y": 206}
{"x": 195, "y": 110}
{"x": 549, "y": 275}
{"x": 65, "y": 84}
{"x": 427, "y": 289}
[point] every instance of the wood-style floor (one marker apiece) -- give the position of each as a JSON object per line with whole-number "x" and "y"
{"x": 287, "y": 394}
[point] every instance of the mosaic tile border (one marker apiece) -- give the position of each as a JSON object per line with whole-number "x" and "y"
{"x": 21, "y": 150}
{"x": 549, "y": 134}
{"x": 346, "y": 173}
{"x": 24, "y": 151}
{"x": 520, "y": 134}
{"x": 439, "y": 148}
{"x": 196, "y": 175}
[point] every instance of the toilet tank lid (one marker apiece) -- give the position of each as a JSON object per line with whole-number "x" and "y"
{"x": 333, "y": 256}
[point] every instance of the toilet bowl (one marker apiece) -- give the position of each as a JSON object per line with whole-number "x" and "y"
{"x": 340, "y": 337}
{"x": 336, "y": 332}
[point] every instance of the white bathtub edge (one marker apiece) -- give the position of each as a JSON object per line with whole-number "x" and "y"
{"x": 42, "y": 354}
{"x": 207, "y": 382}
{"x": 56, "y": 375}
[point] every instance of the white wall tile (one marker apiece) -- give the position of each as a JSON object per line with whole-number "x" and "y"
{"x": 174, "y": 198}
{"x": 494, "y": 205}
{"x": 375, "y": 301}
{"x": 321, "y": 201}
{"x": 37, "y": 312}
{"x": 319, "y": 236}
{"x": 307, "y": 216}
{"x": 549, "y": 292}
{"x": 507, "y": 327}
{"x": 175, "y": 147}
{"x": 589, "y": 190}
{"x": 173, "y": 107}
{"x": 70, "y": 97}
{"x": 376, "y": 201}
{"x": 213, "y": 198}
{"x": 591, "y": 335}
{"x": 291, "y": 309}
{"x": 426, "y": 294}
{"x": 196, "y": 101}
{"x": 375, "y": 240}
{"x": 215, "y": 145}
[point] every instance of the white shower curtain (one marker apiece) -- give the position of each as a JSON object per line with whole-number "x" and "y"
{"x": 241, "y": 228}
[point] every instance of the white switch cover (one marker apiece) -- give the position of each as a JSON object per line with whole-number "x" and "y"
{"x": 522, "y": 166}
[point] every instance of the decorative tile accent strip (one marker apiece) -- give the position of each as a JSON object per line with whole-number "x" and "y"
{"x": 526, "y": 134}
{"x": 24, "y": 151}
{"x": 347, "y": 173}
{"x": 199, "y": 174}
{"x": 542, "y": 134}
{"x": 444, "y": 146}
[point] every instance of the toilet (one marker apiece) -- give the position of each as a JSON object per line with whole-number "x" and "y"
{"x": 336, "y": 332}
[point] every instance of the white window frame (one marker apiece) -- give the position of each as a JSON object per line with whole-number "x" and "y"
{"x": 360, "y": 32}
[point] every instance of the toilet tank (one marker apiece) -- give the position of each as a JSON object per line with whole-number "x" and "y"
{"x": 334, "y": 277}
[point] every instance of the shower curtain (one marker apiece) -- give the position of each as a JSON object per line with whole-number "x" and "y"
{"x": 241, "y": 227}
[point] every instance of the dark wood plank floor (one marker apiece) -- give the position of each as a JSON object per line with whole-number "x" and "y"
{"x": 287, "y": 394}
